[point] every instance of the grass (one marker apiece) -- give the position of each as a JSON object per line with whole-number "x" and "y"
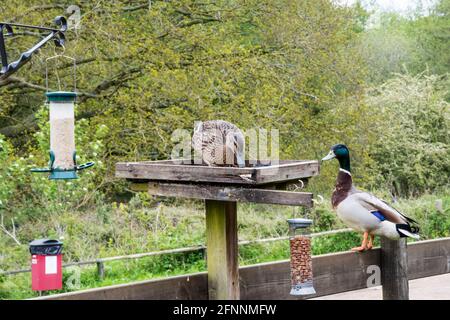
{"x": 141, "y": 227}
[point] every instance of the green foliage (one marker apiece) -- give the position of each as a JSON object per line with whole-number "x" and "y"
{"x": 6, "y": 177}
{"x": 34, "y": 195}
{"x": 388, "y": 48}
{"x": 432, "y": 37}
{"x": 396, "y": 44}
{"x": 412, "y": 153}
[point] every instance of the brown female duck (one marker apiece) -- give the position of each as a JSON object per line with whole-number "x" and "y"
{"x": 219, "y": 143}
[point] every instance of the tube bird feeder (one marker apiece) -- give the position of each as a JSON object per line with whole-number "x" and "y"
{"x": 301, "y": 262}
{"x": 62, "y": 134}
{"x": 62, "y": 163}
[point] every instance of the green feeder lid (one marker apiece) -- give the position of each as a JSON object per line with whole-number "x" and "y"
{"x": 61, "y": 96}
{"x": 299, "y": 222}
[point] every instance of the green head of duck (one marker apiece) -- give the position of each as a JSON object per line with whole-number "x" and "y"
{"x": 342, "y": 154}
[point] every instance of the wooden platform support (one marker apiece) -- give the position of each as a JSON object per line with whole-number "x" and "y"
{"x": 222, "y": 244}
{"x": 228, "y": 193}
{"x": 394, "y": 269}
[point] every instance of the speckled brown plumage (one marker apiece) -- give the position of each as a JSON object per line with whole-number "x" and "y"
{"x": 218, "y": 142}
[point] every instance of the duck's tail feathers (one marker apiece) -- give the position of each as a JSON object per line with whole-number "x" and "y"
{"x": 405, "y": 230}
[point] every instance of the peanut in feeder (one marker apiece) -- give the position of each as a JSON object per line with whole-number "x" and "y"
{"x": 301, "y": 262}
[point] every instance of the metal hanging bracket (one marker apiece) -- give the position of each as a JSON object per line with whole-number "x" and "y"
{"x": 56, "y": 34}
{"x": 57, "y": 56}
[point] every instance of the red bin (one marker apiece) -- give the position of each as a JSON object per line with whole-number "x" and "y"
{"x": 46, "y": 264}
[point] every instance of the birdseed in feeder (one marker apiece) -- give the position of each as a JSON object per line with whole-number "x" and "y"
{"x": 62, "y": 129}
{"x": 62, "y": 142}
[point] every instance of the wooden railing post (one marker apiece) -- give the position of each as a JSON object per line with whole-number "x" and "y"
{"x": 100, "y": 270}
{"x": 394, "y": 269}
{"x": 222, "y": 250}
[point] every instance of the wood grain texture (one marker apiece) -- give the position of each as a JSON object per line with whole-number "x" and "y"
{"x": 228, "y": 193}
{"x": 394, "y": 269}
{"x": 186, "y": 287}
{"x": 287, "y": 172}
{"x": 171, "y": 171}
{"x": 428, "y": 258}
{"x": 333, "y": 273}
{"x": 222, "y": 250}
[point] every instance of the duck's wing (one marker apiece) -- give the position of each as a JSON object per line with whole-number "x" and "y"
{"x": 372, "y": 203}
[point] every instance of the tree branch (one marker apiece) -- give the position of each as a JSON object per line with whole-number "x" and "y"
{"x": 39, "y": 8}
{"x": 15, "y": 82}
{"x": 11, "y": 234}
{"x": 144, "y": 5}
{"x": 28, "y": 124}
{"x": 116, "y": 80}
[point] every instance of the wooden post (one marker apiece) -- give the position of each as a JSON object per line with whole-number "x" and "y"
{"x": 101, "y": 270}
{"x": 222, "y": 246}
{"x": 394, "y": 269}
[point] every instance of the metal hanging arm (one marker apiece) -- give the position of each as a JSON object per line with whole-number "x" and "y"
{"x": 56, "y": 34}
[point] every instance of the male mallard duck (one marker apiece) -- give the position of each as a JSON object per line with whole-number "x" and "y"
{"x": 219, "y": 143}
{"x": 363, "y": 211}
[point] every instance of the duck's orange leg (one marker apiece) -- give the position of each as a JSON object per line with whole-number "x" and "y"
{"x": 370, "y": 244}
{"x": 363, "y": 244}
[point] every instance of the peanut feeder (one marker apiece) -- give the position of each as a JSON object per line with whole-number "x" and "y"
{"x": 301, "y": 263}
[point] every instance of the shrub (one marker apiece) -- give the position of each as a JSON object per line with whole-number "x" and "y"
{"x": 412, "y": 153}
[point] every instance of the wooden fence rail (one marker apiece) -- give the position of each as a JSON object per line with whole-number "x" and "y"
{"x": 333, "y": 273}
{"x": 100, "y": 261}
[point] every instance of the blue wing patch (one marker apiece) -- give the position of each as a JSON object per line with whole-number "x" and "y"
{"x": 379, "y": 215}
